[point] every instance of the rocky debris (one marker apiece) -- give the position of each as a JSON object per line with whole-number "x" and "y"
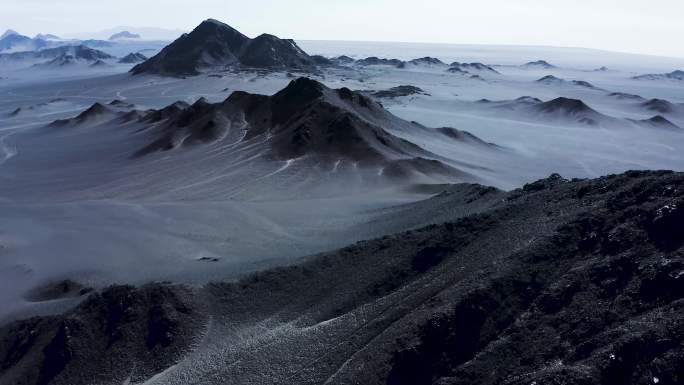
{"x": 214, "y": 44}
{"x": 561, "y": 282}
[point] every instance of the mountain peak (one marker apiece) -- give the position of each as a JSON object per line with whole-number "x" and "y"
{"x": 9, "y": 32}
{"x": 215, "y": 22}
{"x": 213, "y": 44}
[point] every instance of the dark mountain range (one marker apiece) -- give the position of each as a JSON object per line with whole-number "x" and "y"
{"x": 559, "y": 282}
{"x": 304, "y": 120}
{"x": 214, "y": 44}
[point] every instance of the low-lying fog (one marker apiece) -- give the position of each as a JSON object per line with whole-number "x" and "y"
{"x": 74, "y": 203}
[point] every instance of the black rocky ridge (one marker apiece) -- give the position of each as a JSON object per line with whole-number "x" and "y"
{"x": 559, "y": 282}
{"x": 214, "y": 44}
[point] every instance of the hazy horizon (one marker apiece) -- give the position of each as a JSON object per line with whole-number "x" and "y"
{"x": 628, "y": 26}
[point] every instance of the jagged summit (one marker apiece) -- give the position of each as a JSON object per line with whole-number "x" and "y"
{"x": 215, "y": 44}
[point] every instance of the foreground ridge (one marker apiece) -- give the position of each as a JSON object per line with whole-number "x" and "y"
{"x": 561, "y": 281}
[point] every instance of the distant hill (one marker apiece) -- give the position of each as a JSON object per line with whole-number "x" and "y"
{"x": 124, "y": 35}
{"x": 674, "y": 75}
{"x": 215, "y": 44}
{"x": 543, "y": 64}
{"x": 134, "y": 57}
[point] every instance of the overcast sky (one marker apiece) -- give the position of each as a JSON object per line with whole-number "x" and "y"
{"x": 640, "y": 26}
